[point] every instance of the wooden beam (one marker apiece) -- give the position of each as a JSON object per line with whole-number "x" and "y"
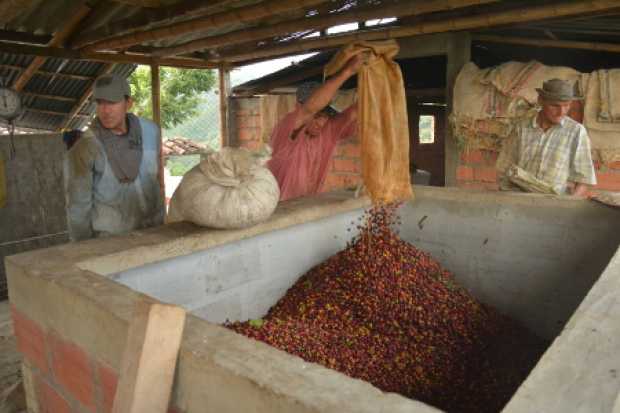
{"x": 155, "y": 94}
{"x": 446, "y": 25}
{"x": 148, "y": 17}
{"x": 246, "y": 14}
{"x": 141, "y": 59}
{"x": 89, "y": 91}
{"x": 459, "y": 53}
{"x": 297, "y": 76}
{"x": 59, "y": 37}
{"x": 156, "y": 106}
{"x": 149, "y": 358}
{"x": 319, "y": 22}
{"x": 48, "y": 112}
{"x": 561, "y": 44}
{"x": 224, "y": 83}
{"x": 23, "y": 37}
{"x": 46, "y": 72}
{"x": 52, "y": 97}
{"x": 11, "y": 9}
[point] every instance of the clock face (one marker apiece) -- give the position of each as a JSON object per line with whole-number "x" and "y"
{"x": 10, "y": 103}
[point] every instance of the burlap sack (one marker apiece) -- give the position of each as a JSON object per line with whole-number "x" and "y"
{"x": 382, "y": 114}
{"x": 232, "y": 188}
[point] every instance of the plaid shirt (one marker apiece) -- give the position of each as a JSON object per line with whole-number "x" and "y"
{"x": 557, "y": 156}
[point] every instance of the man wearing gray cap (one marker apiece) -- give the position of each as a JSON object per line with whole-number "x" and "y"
{"x": 304, "y": 140}
{"x": 111, "y": 172}
{"x": 549, "y": 152}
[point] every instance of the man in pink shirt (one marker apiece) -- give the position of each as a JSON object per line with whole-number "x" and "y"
{"x": 304, "y": 140}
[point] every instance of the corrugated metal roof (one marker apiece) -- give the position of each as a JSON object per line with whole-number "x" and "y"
{"x": 50, "y": 81}
{"x": 107, "y": 19}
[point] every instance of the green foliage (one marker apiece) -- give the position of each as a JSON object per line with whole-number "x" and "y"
{"x": 180, "y": 165}
{"x": 427, "y": 129}
{"x": 204, "y": 127}
{"x": 181, "y": 91}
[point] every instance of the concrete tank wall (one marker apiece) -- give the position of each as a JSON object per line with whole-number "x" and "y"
{"x": 71, "y": 316}
{"x": 532, "y": 258}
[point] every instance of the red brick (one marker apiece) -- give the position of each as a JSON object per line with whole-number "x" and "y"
{"x": 465, "y": 173}
{"x": 614, "y": 165}
{"x": 49, "y": 399}
{"x": 30, "y": 340}
{"x": 346, "y": 165}
{"x": 108, "y": 379}
{"x": 609, "y": 181}
{"x": 251, "y": 121}
{"x": 472, "y": 157}
{"x": 485, "y": 174}
{"x": 72, "y": 369}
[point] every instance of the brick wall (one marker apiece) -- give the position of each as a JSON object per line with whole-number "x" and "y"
{"x": 344, "y": 168}
{"x": 476, "y": 170}
{"x": 60, "y": 376}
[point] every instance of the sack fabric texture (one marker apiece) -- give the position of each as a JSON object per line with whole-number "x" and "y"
{"x": 382, "y": 119}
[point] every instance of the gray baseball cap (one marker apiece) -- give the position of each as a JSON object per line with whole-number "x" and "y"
{"x": 113, "y": 88}
{"x": 305, "y": 90}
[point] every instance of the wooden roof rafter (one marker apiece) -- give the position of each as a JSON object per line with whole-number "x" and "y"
{"x": 63, "y": 53}
{"x": 473, "y": 22}
{"x": 145, "y": 20}
{"x": 58, "y": 39}
{"x": 46, "y": 72}
{"x": 319, "y": 22}
{"x": 246, "y": 15}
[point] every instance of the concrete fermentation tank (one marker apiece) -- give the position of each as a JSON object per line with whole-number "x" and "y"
{"x": 546, "y": 261}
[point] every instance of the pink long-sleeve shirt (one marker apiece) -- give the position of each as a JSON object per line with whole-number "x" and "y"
{"x": 300, "y": 165}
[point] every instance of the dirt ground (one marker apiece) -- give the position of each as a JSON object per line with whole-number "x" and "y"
{"x": 9, "y": 357}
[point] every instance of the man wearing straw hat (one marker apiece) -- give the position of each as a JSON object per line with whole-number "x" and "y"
{"x": 549, "y": 152}
{"x": 304, "y": 140}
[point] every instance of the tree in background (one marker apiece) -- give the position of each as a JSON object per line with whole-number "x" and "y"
{"x": 180, "y": 92}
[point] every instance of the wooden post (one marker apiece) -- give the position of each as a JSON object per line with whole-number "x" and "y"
{"x": 155, "y": 101}
{"x": 149, "y": 358}
{"x": 224, "y": 77}
{"x": 459, "y": 53}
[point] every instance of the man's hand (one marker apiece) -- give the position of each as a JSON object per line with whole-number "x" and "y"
{"x": 581, "y": 190}
{"x": 353, "y": 65}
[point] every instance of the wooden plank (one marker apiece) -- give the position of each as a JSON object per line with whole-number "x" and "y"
{"x": 63, "y": 53}
{"x": 224, "y": 83}
{"x": 52, "y": 97}
{"x": 46, "y": 72}
{"x": 23, "y": 37}
{"x": 246, "y": 14}
{"x": 149, "y": 358}
{"x": 561, "y": 44}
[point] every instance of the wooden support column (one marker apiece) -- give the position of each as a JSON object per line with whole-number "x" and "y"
{"x": 155, "y": 101}
{"x": 224, "y": 75}
{"x": 459, "y": 53}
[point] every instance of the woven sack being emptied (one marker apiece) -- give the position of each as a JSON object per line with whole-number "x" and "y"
{"x": 232, "y": 188}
